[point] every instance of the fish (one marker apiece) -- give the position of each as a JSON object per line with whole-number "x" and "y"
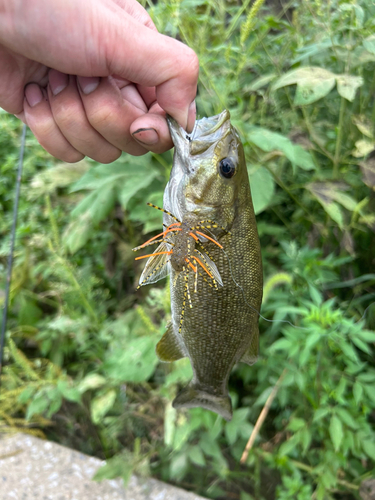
{"x": 210, "y": 248}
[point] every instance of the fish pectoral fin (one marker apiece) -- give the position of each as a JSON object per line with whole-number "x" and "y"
{"x": 251, "y": 354}
{"x": 169, "y": 347}
{"x": 193, "y": 396}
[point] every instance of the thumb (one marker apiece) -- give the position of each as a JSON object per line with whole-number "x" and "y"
{"x": 151, "y": 59}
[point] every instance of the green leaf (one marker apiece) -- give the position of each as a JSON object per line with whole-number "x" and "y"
{"x": 196, "y": 456}
{"x": 321, "y": 413}
{"x": 288, "y": 446}
{"x": 61, "y": 175}
{"x": 364, "y": 125}
{"x": 135, "y": 364}
{"x": 346, "y": 417}
{"x": 368, "y": 376}
{"x": 260, "y": 82}
{"x": 55, "y": 405}
{"x": 361, "y": 345}
{"x": 245, "y": 496}
{"x": 262, "y": 189}
{"x": 281, "y": 345}
{"x": 325, "y": 193}
{"x": 369, "y": 389}
{"x": 357, "y": 392}
{"x": 97, "y": 205}
{"x": 336, "y": 432}
{"x": 315, "y": 295}
{"x": 305, "y": 438}
{"x": 178, "y": 466}
{"x": 91, "y": 381}
{"x": 313, "y": 83}
{"x": 367, "y": 336}
{"x": 26, "y": 394}
{"x": 363, "y": 148}
{"x": 137, "y": 183}
{"x": 38, "y": 405}
{"x": 345, "y": 200}
{"x": 368, "y": 171}
{"x": 347, "y": 86}
{"x": 121, "y": 465}
{"x": 369, "y": 44}
{"x": 368, "y": 446}
{"x": 101, "y": 405}
{"x": 272, "y": 141}
{"x": 296, "y": 423}
{"x": 78, "y": 233}
{"x": 68, "y": 392}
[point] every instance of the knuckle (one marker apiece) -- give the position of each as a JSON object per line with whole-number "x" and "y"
{"x": 67, "y": 115}
{"x": 107, "y": 157}
{"x": 100, "y": 117}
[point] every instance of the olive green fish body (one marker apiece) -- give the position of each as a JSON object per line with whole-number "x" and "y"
{"x": 209, "y": 194}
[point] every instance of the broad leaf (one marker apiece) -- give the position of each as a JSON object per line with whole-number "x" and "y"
{"x": 347, "y": 86}
{"x": 260, "y": 82}
{"x": 135, "y": 364}
{"x": 313, "y": 83}
{"x": 336, "y": 432}
{"x": 262, "y": 189}
{"x": 363, "y": 147}
{"x": 272, "y": 141}
{"x": 101, "y": 405}
{"x": 368, "y": 172}
{"x": 369, "y": 44}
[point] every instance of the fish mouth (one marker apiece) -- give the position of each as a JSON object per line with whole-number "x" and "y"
{"x": 206, "y": 132}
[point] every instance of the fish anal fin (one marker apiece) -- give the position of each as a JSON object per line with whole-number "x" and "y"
{"x": 169, "y": 347}
{"x": 192, "y": 397}
{"x": 250, "y": 356}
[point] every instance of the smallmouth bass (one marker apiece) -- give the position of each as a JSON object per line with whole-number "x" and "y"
{"x": 211, "y": 249}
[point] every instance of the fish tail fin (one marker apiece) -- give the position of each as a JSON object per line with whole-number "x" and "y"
{"x": 194, "y": 395}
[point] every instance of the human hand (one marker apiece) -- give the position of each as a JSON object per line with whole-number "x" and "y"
{"x": 129, "y": 76}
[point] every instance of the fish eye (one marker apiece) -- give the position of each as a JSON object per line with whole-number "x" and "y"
{"x": 227, "y": 168}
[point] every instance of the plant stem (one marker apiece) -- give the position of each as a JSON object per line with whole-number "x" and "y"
{"x": 336, "y": 159}
{"x": 262, "y": 417}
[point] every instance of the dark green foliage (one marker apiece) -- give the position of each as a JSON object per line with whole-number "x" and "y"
{"x": 80, "y": 344}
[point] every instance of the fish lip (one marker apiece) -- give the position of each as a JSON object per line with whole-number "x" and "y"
{"x": 203, "y": 128}
{"x": 206, "y": 133}
{"x": 210, "y": 129}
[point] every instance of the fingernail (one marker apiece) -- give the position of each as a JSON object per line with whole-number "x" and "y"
{"x": 192, "y": 114}
{"x": 57, "y": 81}
{"x": 88, "y": 83}
{"x": 147, "y": 136}
{"x": 33, "y": 94}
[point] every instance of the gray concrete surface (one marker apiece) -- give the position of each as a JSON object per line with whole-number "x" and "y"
{"x": 33, "y": 469}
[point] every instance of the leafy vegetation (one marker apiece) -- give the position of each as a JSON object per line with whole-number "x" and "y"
{"x": 81, "y": 368}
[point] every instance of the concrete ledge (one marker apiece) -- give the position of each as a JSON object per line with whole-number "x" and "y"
{"x": 31, "y": 468}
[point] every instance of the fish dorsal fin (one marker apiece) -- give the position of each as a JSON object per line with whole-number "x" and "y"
{"x": 170, "y": 348}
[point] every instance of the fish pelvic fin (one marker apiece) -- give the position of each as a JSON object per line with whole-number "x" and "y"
{"x": 194, "y": 396}
{"x": 169, "y": 347}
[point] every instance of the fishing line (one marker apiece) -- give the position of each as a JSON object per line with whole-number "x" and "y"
{"x": 280, "y": 320}
{"x": 259, "y": 314}
{"x": 253, "y": 308}
{"x": 12, "y": 243}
